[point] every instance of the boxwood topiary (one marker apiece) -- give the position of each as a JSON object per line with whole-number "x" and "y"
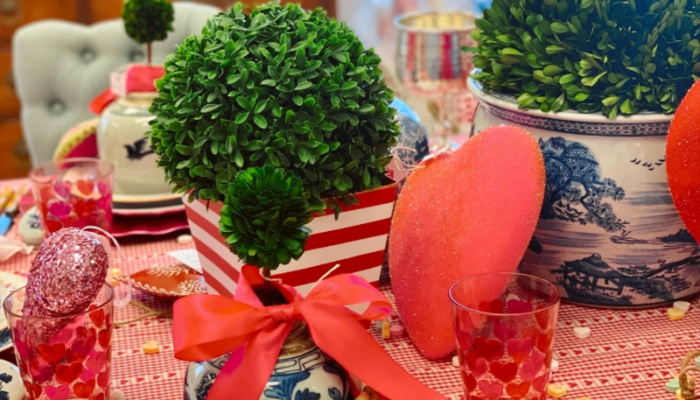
{"x": 146, "y": 21}
{"x": 609, "y": 56}
{"x": 279, "y": 87}
{"x": 263, "y": 217}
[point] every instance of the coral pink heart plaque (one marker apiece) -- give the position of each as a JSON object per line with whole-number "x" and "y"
{"x": 461, "y": 214}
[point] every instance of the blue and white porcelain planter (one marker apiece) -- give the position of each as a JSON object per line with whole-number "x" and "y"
{"x": 609, "y": 234}
{"x": 303, "y": 372}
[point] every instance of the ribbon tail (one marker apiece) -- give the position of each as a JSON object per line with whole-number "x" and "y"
{"x": 249, "y": 368}
{"x": 333, "y": 328}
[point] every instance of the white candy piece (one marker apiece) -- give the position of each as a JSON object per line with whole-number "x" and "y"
{"x": 582, "y": 332}
{"x": 555, "y": 366}
{"x": 681, "y": 305}
{"x": 512, "y": 297}
{"x": 455, "y": 361}
{"x": 378, "y": 325}
{"x": 116, "y": 394}
{"x": 184, "y": 239}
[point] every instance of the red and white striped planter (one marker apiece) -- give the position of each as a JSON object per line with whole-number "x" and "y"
{"x": 356, "y": 241}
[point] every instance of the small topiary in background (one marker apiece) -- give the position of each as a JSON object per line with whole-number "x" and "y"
{"x": 280, "y": 87}
{"x": 147, "y": 21}
{"x": 609, "y": 56}
{"x": 263, "y": 217}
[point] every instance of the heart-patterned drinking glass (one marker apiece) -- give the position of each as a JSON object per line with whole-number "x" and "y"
{"x": 504, "y": 325}
{"x": 75, "y": 192}
{"x": 67, "y": 357}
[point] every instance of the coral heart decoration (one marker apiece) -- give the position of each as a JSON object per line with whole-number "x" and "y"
{"x": 57, "y": 393}
{"x": 476, "y": 365}
{"x": 683, "y": 160}
{"x": 85, "y": 187}
{"x": 84, "y": 390}
{"x": 471, "y": 212}
{"x": 32, "y": 389}
{"x": 52, "y": 353}
{"x": 504, "y": 371}
{"x": 95, "y": 363}
{"x": 492, "y": 390}
{"x": 519, "y": 349}
{"x": 66, "y": 374}
{"x": 518, "y": 390}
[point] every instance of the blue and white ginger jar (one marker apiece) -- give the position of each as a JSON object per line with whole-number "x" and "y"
{"x": 303, "y": 372}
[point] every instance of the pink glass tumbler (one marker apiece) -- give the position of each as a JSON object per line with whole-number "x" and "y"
{"x": 67, "y": 357}
{"x": 75, "y": 192}
{"x": 504, "y": 325}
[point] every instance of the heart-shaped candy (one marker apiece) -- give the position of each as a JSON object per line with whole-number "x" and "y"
{"x": 472, "y": 212}
{"x": 492, "y": 390}
{"x": 683, "y": 160}
{"x": 504, "y": 371}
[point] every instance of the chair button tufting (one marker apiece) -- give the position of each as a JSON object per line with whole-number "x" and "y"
{"x": 87, "y": 55}
{"x": 136, "y": 55}
{"x": 56, "y": 107}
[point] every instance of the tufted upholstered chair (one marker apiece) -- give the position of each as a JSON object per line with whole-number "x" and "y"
{"x": 61, "y": 66}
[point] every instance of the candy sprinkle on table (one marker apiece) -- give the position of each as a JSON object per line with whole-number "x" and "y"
{"x": 582, "y": 332}
{"x": 674, "y": 314}
{"x": 672, "y": 385}
{"x": 681, "y": 305}
{"x": 557, "y": 390}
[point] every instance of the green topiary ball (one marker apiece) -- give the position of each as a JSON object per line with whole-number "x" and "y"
{"x": 148, "y": 20}
{"x": 263, "y": 217}
{"x": 611, "y": 56}
{"x": 279, "y": 87}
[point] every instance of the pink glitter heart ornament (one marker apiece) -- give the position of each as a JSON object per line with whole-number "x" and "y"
{"x": 66, "y": 274}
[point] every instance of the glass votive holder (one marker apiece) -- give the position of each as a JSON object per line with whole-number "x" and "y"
{"x": 504, "y": 325}
{"x": 66, "y": 357}
{"x": 75, "y": 192}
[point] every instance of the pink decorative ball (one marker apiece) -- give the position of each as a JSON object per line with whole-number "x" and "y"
{"x": 66, "y": 274}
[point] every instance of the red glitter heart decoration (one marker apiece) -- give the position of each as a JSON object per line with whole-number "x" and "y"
{"x": 504, "y": 371}
{"x": 66, "y": 374}
{"x": 473, "y": 211}
{"x": 683, "y": 160}
{"x": 52, "y": 353}
{"x": 84, "y": 390}
{"x": 518, "y": 390}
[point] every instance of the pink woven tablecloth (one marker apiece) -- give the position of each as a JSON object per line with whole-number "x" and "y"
{"x": 630, "y": 355}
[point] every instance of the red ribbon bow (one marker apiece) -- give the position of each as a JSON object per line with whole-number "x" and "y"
{"x": 209, "y": 326}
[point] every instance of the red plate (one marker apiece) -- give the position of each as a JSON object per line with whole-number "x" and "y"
{"x": 172, "y": 281}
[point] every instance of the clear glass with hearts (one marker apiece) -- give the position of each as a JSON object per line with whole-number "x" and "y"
{"x": 504, "y": 325}
{"x": 74, "y": 192}
{"x": 66, "y": 357}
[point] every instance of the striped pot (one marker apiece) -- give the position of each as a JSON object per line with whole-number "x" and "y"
{"x": 356, "y": 240}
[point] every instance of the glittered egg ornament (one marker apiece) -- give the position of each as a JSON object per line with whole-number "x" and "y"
{"x": 683, "y": 160}
{"x": 66, "y": 274}
{"x": 461, "y": 214}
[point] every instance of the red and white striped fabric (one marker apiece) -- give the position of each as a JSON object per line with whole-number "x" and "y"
{"x": 356, "y": 241}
